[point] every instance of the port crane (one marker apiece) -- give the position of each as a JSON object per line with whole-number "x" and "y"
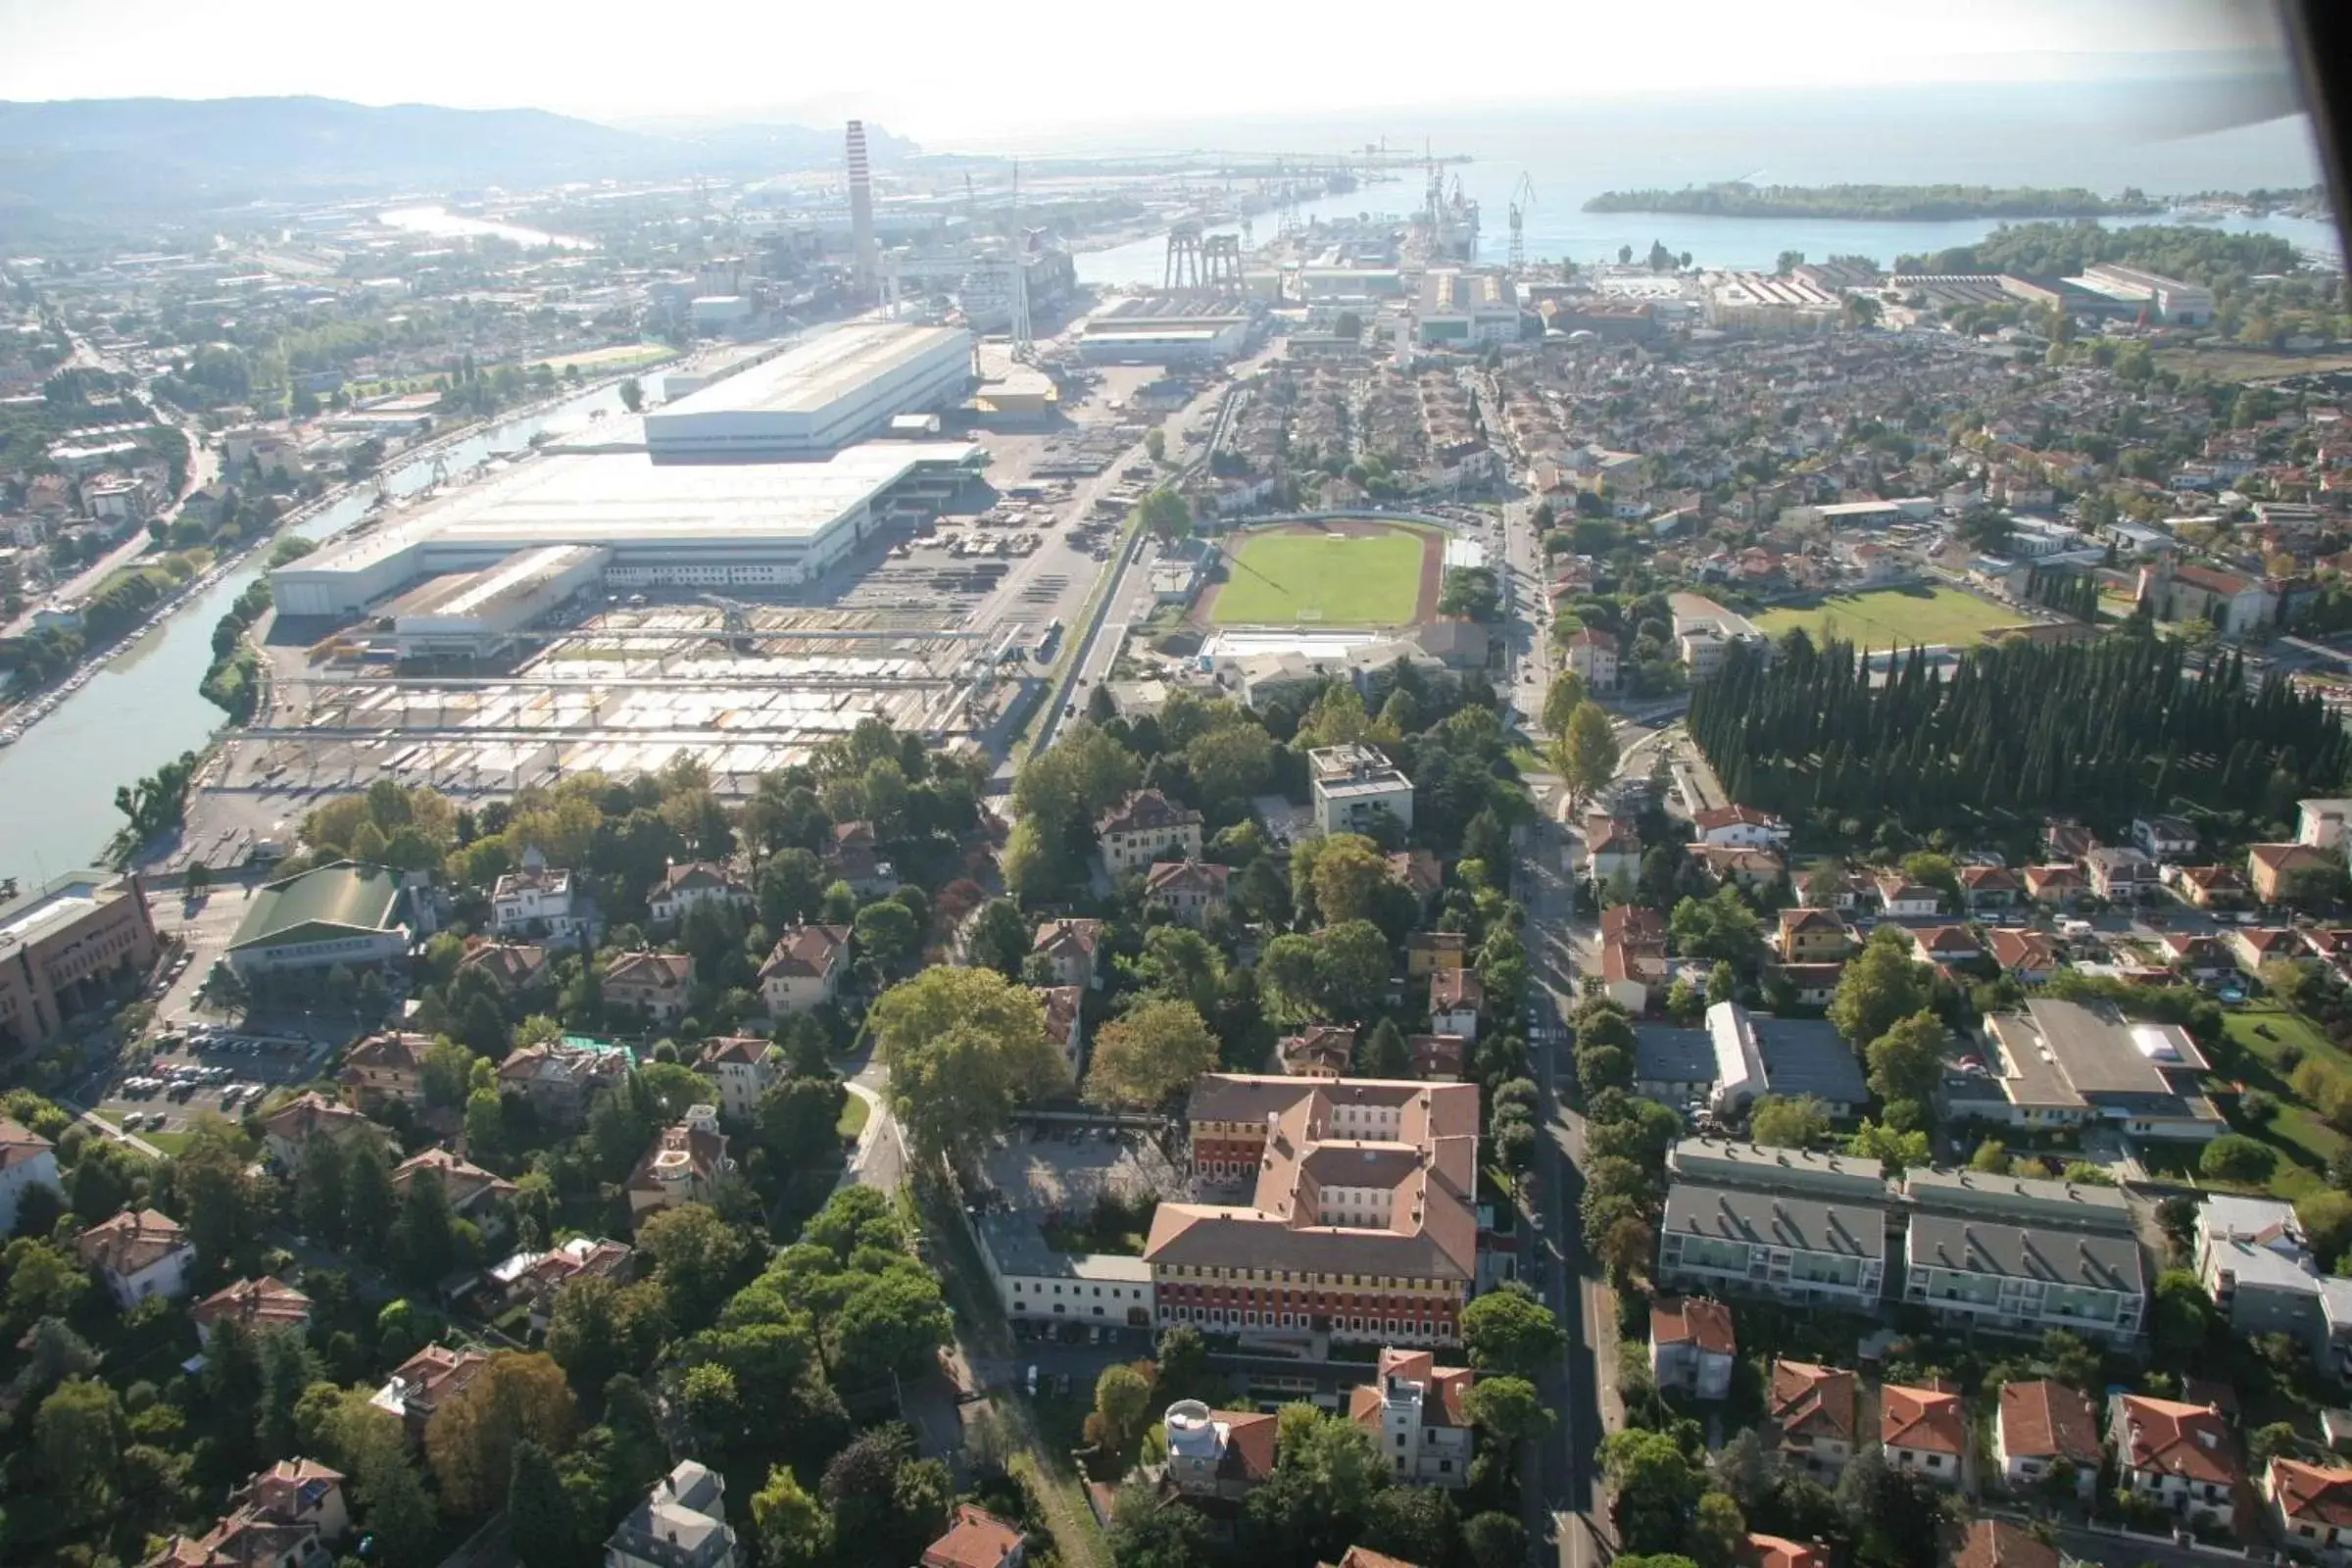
{"x": 1523, "y": 197}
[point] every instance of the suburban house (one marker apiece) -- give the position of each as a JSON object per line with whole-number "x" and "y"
{"x": 263, "y": 1306}
{"x": 1417, "y": 1414}
{"x": 1812, "y": 936}
{"x": 1455, "y": 996}
{"x": 2032, "y": 957}
{"x": 2253, "y": 945}
{"x": 1592, "y": 656}
{"x": 684, "y": 1164}
{"x": 1191, "y": 891}
{"x": 291, "y": 1515}
{"x": 2198, "y": 959}
{"x": 1438, "y": 1058}
{"x": 2054, "y": 886}
{"x": 1318, "y": 1051}
{"x": 2041, "y": 1425}
{"x": 2065, "y": 839}
{"x": 473, "y": 1193}
{"x": 805, "y": 968}
{"x": 1778, "y": 1551}
{"x": 1072, "y": 951}
{"x": 682, "y": 1523}
{"x": 1923, "y": 1432}
{"x": 1998, "y": 1544}
{"x": 686, "y": 885}
{"x": 1813, "y": 1408}
{"x": 139, "y": 1253}
{"x": 288, "y": 1130}
{"x": 537, "y": 902}
{"x": 385, "y": 1067}
{"x": 517, "y": 966}
{"x": 536, "y": 1279}
{"x": 1612, "y": 849}
{"x": 2165, "y": 838}
{"x": 1420, "y": 872}
{"x": 1945, "y": 943}
{"x": 744, "y": 1067}
{"x": 2321, "y": 822}
{"x": 1355, "y": 787}
{"x": 657, "y": 984}
{"x": 2210, "y": 887}
{"x": 1065, "y": 1023}
{"x": 2255, "y": 1263}
{"x": 1427, "y": 951}
{"x": 1989, "y": 887}
{"x": 1742, "y": 825}
{"x": 2181, "y": 1458}
{"x": 854, "y": 858}
{"x": 1146, "y": 827}
{"x": 1754, "y": 869}
{"x": 27, "y": 1160}
{"x": 2120, "y": 874}
{"x": 1901, "y": 899}
{"x": 557, "y": 1076}
{"x": 2311, "y": 1505}
{"x": 977, "y": 1538}
{"x": 1217, "y": 1456}
{"x": 2274, "y": 870}
{"x": 428, "y": 1381}
{"x": 1691, "y": 1346}
{"x": 1632, "y": 955}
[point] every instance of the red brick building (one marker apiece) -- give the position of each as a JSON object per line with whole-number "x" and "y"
{"x": 1350, "y": 1209}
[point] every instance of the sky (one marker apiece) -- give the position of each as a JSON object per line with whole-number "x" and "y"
{"x": 960, "y": 74}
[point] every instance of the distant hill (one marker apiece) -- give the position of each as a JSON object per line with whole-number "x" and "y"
{"x": 128, "y": 158}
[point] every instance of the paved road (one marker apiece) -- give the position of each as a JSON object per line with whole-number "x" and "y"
{"x": 1560, "y": 1495}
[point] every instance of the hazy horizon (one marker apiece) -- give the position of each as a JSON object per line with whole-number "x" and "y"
{"x": 1066, "y": 81}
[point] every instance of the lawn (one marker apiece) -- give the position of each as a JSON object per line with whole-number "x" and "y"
{"x": 619, "y": 357}
{"x": 853, "y": 1113}
{"x": 1893, "y": 617}
{"x": 1328, "y": 579}
{"x": 2273, "y": 1036}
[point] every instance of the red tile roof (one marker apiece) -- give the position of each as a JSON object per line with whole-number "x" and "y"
{"x": 2189, "y": 1440}
{"x": 2047, "y": 1420}
{"x": 976, "y": 1540}
{"x": 2310, "y": 1493}
{"x": 1693, "y": 1320}
{"x": 1926, "y": 1419}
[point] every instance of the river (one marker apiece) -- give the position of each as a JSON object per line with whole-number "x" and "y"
{"x": 57, "y": 785}
{"x": 446, "y": 224}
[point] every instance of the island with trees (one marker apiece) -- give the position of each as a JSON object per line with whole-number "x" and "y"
{"x": 1877, "y": 203}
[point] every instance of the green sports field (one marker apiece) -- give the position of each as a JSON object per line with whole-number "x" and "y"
{"x": 1291, "y": 578}
{"x": 1889, "y": 618}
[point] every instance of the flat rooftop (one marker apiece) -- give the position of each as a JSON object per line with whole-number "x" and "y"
{"x": 814, "y": 374}
{"x": 31, "y": 917}
{"x": 626, "y": 498}
{"x": 473, "y": 593}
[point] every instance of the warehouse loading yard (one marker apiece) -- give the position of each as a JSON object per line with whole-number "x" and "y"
{"x": 612, "y": 605}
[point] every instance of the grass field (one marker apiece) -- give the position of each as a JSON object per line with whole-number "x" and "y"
{"x": 1286, "y": 578}
{"x": 1894, "y": 617}
{"x": 619, "y": 357}
{"x": 2235, "y": 364}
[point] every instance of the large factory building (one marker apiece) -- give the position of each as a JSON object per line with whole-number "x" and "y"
{"x": 815, "y": 396}
{"x": 762, "y": 480}
{"x": 706, "y": 526}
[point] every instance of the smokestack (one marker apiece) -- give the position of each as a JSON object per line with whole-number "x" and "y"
{"x": 863, "y": 268}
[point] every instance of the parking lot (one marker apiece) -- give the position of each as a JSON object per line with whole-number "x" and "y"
{"x": 212, "y": 1069}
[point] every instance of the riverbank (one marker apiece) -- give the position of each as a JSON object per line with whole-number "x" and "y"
{"x": 142, "y": 707}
